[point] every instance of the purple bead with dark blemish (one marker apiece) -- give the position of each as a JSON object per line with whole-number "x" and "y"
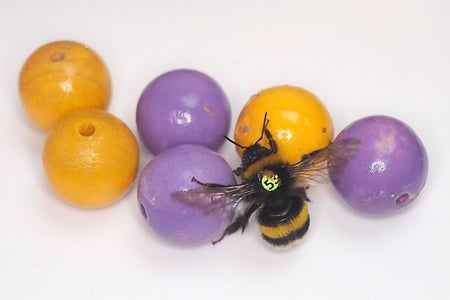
{"x": 182, "y": 107}
{"x": 388, "y": 170}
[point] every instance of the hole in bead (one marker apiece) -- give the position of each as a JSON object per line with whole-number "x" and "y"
{"x": 143, "y": 211}
{"x": 57, "y": 56}
{"x": 87, "y": 129}
{"x": 403, "y": 198}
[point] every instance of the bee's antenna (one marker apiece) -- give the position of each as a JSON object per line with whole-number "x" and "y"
{"x": 234, "y": 143}
{"x": 265, "y": 123}
{"x": 263, "y": 131}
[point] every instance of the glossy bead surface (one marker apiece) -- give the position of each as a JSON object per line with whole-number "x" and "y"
{"x": 183, "y": 107}
{"x": 387, "y": 172}
{"x": 172, "y": 171}
{"x": 298, "y": 121}
{"x": 61, "y": 77}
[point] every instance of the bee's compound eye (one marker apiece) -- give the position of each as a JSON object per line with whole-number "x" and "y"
{"x": 270, "y": 182}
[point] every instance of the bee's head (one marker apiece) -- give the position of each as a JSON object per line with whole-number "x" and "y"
{"x": 255, "y": 152}
{"x": 252, "y": 154}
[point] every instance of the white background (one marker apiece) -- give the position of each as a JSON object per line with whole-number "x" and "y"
{"x": 360, "y": 57}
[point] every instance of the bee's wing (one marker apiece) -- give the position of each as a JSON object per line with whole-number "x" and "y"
{"x": 313, "y": 168}
{"x": 215, "y": 199}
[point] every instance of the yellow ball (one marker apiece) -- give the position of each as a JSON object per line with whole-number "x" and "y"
{"x": 298, "y": 121}
{"x": 61, "y": 77}
{"x": 91, "y": 158}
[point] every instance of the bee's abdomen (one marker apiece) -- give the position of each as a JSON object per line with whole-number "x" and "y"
{"x": 281, "y": 229}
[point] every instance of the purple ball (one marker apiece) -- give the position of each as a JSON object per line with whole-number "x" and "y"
{"x": 183, "y": 107}
{"x": 388, "y": 170}
{"x": 172, "y": 171}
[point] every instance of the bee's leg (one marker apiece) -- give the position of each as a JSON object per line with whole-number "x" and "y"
{"x": 232, "y": 228}
{"x": 240, "y": 222}
{"x": 244, "y": 219}
{"x": 206, "y": 184}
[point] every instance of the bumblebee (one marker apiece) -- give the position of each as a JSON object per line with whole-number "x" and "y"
{"x": 271, "y": 187}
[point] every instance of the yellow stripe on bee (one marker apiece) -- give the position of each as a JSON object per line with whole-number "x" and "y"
{"x": 284, "y": 230}
{"x": 260, "y": 164}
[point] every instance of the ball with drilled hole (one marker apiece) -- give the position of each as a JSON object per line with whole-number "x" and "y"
{"x": 182, "y": 107}
{"x": 388, "y": 170}
{"x": 172, "y": 171}
{"x": 91, "y": 158}
{"x": 61, "y": 77}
